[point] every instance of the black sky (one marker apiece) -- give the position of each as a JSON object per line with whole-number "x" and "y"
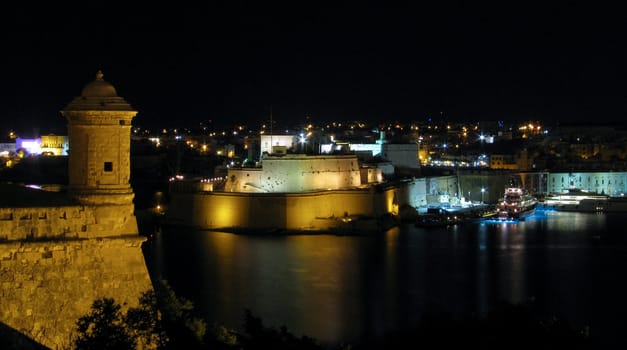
{"x": 180, "y": 66}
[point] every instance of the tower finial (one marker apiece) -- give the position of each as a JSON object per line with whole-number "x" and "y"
{"x": 99, "y": 75}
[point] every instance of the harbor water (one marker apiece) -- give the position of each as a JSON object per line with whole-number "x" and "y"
{"x": 565, "y": 265}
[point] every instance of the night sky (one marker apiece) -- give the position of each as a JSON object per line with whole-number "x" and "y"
{"x": 221, "y": 64}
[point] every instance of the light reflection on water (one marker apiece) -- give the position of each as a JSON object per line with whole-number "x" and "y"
{"x": 341, "y": 288}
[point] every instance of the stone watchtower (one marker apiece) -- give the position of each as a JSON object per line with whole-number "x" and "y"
{"x": 99, "y": 129}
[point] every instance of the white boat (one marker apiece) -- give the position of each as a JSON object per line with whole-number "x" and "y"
{"x": 516, "y": 204}
{"x": 574, "y": 198}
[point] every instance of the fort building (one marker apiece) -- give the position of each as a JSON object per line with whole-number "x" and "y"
{"x": 292, "y": 192}
{"x": 59, "y": 251}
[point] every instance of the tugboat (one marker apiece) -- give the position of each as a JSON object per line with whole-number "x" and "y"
{"x": 516, "y": 204}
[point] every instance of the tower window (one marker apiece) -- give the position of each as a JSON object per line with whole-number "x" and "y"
{"x": 121, "y": 121}
{"x": 108, "y": 166}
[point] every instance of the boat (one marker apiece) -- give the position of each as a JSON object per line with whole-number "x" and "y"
{"x": 489, "y": 213}
{"x": 612, "y": 205}
{"x": 604, "y": 204}
{"x": 516, "y": 204}
{"x": 438, "y": 217}
{"x": 574, "y": 199}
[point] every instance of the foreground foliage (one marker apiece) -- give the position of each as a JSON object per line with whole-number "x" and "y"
{"x": 161, "y": 321}
{"x": 164, "y": 321}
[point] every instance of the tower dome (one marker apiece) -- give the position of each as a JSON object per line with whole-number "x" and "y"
{"x": 98, "y": 95}
{"x": 99, "y": 88}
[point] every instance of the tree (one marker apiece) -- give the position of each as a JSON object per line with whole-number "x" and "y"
{"x": 184, "y": 329}
{"x": 162, "y": 320}
{"x": 103, "y": 328}
{"x": 145, "y": 322}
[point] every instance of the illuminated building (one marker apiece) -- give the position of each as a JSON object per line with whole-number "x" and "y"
{"x": 51, "y": 145}
{"x": 30, "y": 146}
{"x": 612, "y": 183}
{"x": 400, "y": 155}
{"x": 57, "y": 145}
{"x": 61, "y": 251}
{"x": 289, "y": 192}
{"x": 270, "y": 143}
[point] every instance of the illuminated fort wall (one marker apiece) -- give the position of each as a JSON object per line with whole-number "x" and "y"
{"x": 296, "y": 173}
{"x": 33, "y": 223}
{"x": 47, "y": 286}
{"x": 291, "y": 211}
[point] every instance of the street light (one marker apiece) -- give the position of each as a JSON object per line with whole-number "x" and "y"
{"x": 482, "y": 192}
{"x": 302, "y": 141}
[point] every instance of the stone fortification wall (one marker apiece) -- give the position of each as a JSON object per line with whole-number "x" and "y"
{"x": 46, "y": 286}
{"x": 36, "y": 223}
{"x": 297, "y": 173}
{"x": 413, "y": 192}
{"x": 493, "y": 182}
{"x": 302, "y": 211}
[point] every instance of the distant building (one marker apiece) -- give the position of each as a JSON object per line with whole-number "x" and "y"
{"x": 6, "y": 148}
{"x": 56, "y": 145}
{"x": 607, "y": 182}
{"x": 401, "y": 155}
{"x": 503, "y": 161}
{"x": 49, "y": 145}
{"x": 268, "y": 142}
{"x": 29, "y": 146}
{"x": 519, "y": 161}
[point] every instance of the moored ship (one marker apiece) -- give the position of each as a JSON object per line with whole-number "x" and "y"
{"x": 516, "y": 204}
{"x": 571, "y": 199}
{"x": 597, "y": 205}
